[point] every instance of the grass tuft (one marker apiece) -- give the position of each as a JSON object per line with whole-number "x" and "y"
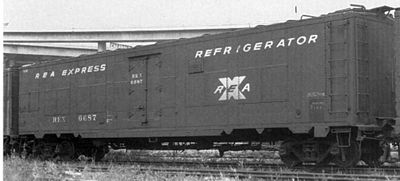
{"x": 18, "y": 169}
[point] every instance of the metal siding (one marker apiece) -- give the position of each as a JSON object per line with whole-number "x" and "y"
{"x": 118, "y": 84}
{"x": 24, "y": 102}
{"x": 269, "y": 72}
{"x": 274, "y": 83}
{"x": 29, "y": 90}
{"x": 362, "y": 61}
{"x": 117, "y": 93}
{"x": 380, "y": 57}
{"x": 34, "y": 102}
{"x": 278, "y": 71}
{"x": 138, "y": 91}
{"x": 63, "y": 101}
{"x": 168, "y": 96}
{"x": 306, "y": 73}
{"x": 179, "y": 56}
{"x": 88, "y": 95}
{"x": 195, "y": 88}
{"x": 338, "y": 69}
{"x": 98, "y": 98}
{"x": 168, "y": 90}
{"x": 153, "y": 92}
{"x": 83, "y": 100}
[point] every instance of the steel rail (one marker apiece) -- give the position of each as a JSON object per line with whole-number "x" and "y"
{"x": 275, "y": 175}
{"x": 234, "y": 173}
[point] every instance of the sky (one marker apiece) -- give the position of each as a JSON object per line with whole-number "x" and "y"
{"x": 148, "y": 14}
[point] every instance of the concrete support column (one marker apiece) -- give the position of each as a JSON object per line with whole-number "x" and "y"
{"x": 397, "y": 59}
{"x": 101, "y": 46}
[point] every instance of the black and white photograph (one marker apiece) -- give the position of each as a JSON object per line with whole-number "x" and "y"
{"x": 200, "y": 90}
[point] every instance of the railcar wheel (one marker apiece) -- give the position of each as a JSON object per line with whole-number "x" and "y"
{"x": 326, "y": 161}
{"x": 398, "y": 150}
{"x": 100, "y": 152}
{"x": 348, "y": 156}
{"x": 44, "y": 151}
{"x": 287, "y": 156}
{"x": 27, "y": 149}
{"x": 7, "y": 146}
{"x": 65, "y": 150}
{"x": 371, "y": 152}
{"x": 17, "y": 148}
{"x": 323, "y": 156}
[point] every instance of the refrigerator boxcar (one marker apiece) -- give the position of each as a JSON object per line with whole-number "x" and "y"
{"x": 323, "y": 86}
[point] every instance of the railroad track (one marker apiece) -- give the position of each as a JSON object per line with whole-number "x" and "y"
{"x": 256, "y": 166}
{"x": 232, "y": 168}
{"x": 236, "y": 173}
{"x": 239, "y": 167}
{"x": 273, "y": 175}
{"x": 268, "y": 161}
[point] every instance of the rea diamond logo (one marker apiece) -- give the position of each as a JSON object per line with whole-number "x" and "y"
{"x": 230, "y": 88}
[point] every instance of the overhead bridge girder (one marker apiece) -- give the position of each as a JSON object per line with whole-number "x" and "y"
{"x": 21, "y": 49}
{"x": 108, "y": 36}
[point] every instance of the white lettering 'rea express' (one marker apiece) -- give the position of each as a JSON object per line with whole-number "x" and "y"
{"x": 73, "y": 71}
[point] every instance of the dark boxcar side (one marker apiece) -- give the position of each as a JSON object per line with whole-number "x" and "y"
{"x": 302, "y": 75}
{"x": 91, "y": 97}
{"x": 62, "y": 97}
{"x": 374, "y": 69}
{"x": 88, "y": 101}
{"x": 297, "y": 75}
{"x": 255, "y": 79}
